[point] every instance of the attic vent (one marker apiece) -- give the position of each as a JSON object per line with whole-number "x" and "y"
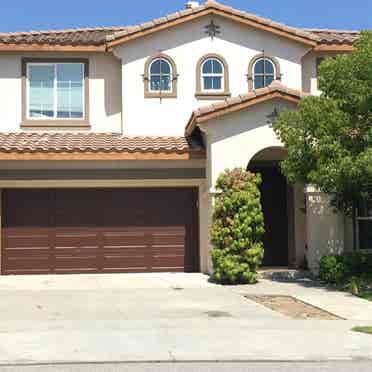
{"x": 192, "y": 4}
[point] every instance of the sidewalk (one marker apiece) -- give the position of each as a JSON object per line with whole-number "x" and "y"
{"x": 342, "y": 304}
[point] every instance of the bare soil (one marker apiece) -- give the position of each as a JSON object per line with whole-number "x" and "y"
{"x": 293, "y": 308}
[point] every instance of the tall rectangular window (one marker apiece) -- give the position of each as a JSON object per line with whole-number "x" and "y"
{"x": 55, "y": 91}
{"x": 364, "y": 225}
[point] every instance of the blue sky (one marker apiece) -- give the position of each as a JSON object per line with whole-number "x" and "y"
{"x": 25, "y": 15}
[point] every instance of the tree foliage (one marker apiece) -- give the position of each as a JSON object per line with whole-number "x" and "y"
{"x": 329, "y": 138}
{"x": 238, "y": 228}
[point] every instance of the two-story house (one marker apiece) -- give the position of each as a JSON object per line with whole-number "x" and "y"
{"x": 112, "y": 140}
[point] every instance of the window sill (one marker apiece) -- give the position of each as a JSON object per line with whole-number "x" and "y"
{"x": 162, "y": 95}
{"x": 212, "y": 96}
{"x": 55, "y": 124}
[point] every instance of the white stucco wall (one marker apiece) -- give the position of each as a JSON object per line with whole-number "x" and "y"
{"x": 325, "y": 233}
{"x": 186, "y": 44}
{"x": 104, "y": 89}
{"x": 234, "y": 139}
{"x": 309, "y": 73}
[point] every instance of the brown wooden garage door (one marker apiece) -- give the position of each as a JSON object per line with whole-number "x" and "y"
{"x": 106, "y": 230}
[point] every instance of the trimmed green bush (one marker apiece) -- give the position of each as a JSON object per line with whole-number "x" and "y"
{"x": 238, "y": 228}
{"x": 335, "y": 269}
{"x": 332, "y": 269}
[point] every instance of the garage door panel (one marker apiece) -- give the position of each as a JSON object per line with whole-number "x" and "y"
{"x": 129, "y": 237}
{"x": 76, "y": 252}
{"x": 34, "y": 264}
{"x": 106, "y": 230}
{"x": 125, "y": 262}
{"x": 26, "y": 241}
{"x": 83, "y": 263}
{"x": 76, "y": 238}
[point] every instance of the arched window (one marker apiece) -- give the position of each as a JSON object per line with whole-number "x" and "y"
{"x": 263, "y": 71}
{"x": 160, "y": 77}
{"x": 212, "y": 75}
{"x": 212, "y": 80}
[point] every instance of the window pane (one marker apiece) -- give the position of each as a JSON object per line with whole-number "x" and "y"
{"x": 160, "y": 83}
{"x": 165, "y": 83}
{"x": 155, "y": 82}
{"x": 259, "y": 82}
{"x": 70, "y": 92}
{"x": 155, "y": 67}
{"x": 217, "y": 83}
{"x": 365, "y": 234}
{"x": 259, "y": 67}
{"x": 207, "y": 67}
{"x": 208, "y": 83}
{"x": 165, "y": 67}
{"x": 41, "y": 91}
{"x": 269, "y": 79}
{"x": 365, "y": 208}
{"x": 269, "y": 67}
{"x": 217, "y": 67}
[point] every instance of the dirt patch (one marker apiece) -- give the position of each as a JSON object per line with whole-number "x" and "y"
{"x": 293, "y": 308}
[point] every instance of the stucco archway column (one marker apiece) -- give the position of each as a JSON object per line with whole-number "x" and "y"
{"x": 324, "y": 227}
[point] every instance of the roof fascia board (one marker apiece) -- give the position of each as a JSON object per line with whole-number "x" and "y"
{"x": 79, "y": 156}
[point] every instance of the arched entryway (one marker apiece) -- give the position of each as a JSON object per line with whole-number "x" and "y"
{"x": 278, "y": 207}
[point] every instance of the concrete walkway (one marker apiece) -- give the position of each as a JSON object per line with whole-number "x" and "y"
{"x": 342, "y": 304}
{"x": 162, "y": 317}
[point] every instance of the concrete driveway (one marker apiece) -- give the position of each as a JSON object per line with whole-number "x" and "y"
{"x": 156, "y": 317}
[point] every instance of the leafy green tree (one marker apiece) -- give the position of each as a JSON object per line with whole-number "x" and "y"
{"x": 238, "y": 228}
{"x": 329, "y": 138}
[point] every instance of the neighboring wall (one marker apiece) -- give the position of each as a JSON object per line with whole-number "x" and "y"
{"x": 309, "y": 71}
{"x": 186, "y": 44}
{"x": 104, "y": 89}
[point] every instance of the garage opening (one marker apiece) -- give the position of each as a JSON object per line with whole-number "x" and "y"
{"x": 61, "y": 231}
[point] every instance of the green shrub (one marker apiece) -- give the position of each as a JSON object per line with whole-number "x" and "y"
{"x": 238, "y": 228}
{"x": 332, "y": 269}
{"x": 335, "y": 269}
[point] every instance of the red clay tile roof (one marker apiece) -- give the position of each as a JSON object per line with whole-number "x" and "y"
{"x": 84, "y": 36}
{"x": 213, "y": 6}
{"x": 31, "y": 142}
{"x": 104, "y": 36}
{"x": 335, "y": 36}
{"x": 242, "y": 102}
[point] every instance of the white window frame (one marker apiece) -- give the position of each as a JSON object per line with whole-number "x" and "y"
{"x": 204, "y": 75}
{"x": 170, "y": 76}
{"x": 55, "y": 105}
{"x": 254, "y": 68}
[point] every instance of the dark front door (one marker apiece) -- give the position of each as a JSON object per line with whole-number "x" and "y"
{"x": 274, "y": 204}
{"x": 99, "y": 230}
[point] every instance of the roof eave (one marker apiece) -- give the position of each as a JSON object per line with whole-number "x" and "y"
{"x": 326, "y": 47}
{"x": 196, "y": 120}
{"x": 104, "y": 156}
